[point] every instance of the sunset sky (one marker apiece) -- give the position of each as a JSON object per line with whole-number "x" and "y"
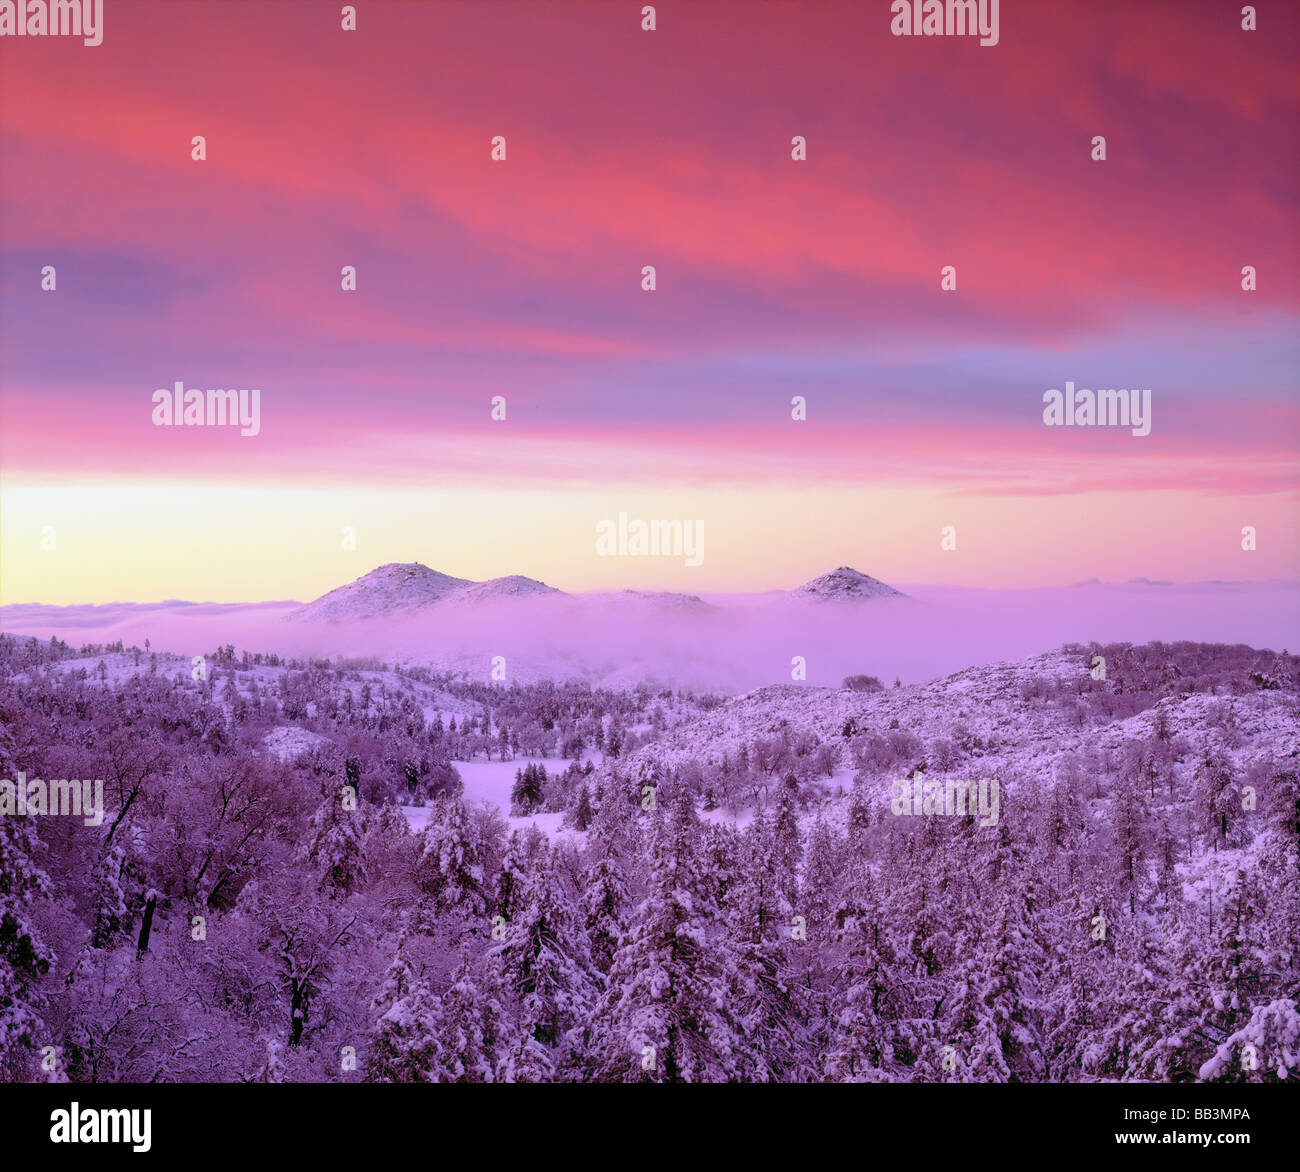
{"x": 522, "y": 278}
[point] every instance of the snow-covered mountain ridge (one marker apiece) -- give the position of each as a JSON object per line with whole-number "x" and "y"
{"x": 407, "y": 587}
{"x": 1021, "y": 721}
{"x": 410, "y": 587}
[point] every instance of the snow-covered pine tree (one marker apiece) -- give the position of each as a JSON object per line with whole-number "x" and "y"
{"x": 605, "y": 907}
{"x": 1216, "y": 801}
{"x": 24, "y": 956}
{"x": 668, "y": 1013}
{"x": 1011, "y": 963}
{"x": 579, "y": 814}
{"x": 720, "y": 851}
{"x": 404, "y": 1043}
{"x": 450, "y": 868}
{"x": 860, "y": 818}
{"x": 822, "y": 878}
{"x": 335, "y": 844}
{"x": 1128, "y": 852}
{"x": 869, "y": 997}
{"x": 766, "y": 1000}
{"x": 475, "y": 1039}
{"x": 1265, "y": 1049}
{"x": 787, "y": 845}
{"x": 1211, "y": 988}
{"x": 969, "y": 1028}
{"x": 109, "y": 900}
{"x": 510, "y": 880}
{"x": 544, "y": 967}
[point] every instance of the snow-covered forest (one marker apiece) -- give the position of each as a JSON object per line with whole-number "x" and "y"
{"x": 300, "y": 875}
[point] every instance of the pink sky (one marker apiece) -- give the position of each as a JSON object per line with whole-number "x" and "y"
{"x": 522, "y": 279}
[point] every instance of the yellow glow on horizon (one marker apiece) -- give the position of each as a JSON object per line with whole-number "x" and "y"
{"x": 117, "y": 542}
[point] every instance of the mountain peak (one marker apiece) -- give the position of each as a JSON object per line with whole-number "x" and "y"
{"x": 387, "y": 589}
{"x": 511, "y": 586}
{"x": 846, "y": 584}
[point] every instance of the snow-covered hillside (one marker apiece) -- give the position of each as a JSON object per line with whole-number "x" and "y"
{"x": 1123, "y": 908}
{"x": 391, "y": 589}
{"x": 845, "y": 584}
{"x": 1023, "y": 722}
{"x": 495, "y": 589}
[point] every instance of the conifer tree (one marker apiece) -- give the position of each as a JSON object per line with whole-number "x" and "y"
{"x": 450, "y": 867}
{"x": 667, "y": 1013}
{"x": 404, "y": 1043}
{"x": 766, "y": 999}
{"x": 544, "y": 966}
{"x": 870, "y": 995}
{"x": 24, "y": 956}
{"x": 335, "y": 844}
{"x": 475, "y": 1042}
{"x": 605, "y": 906}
